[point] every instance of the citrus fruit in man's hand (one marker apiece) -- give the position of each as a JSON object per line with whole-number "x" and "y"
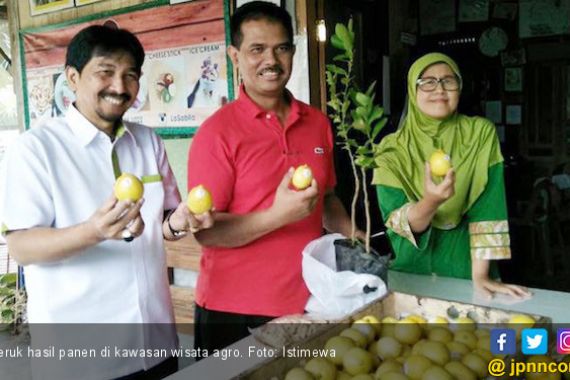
{"x": 199, "y": 200}
{"x": 128, "y": 187}
{"x": 440, "y": 163}
{"x": 302, "y": 177}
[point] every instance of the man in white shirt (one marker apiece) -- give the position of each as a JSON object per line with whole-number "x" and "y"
{"x": 73, "y": 236}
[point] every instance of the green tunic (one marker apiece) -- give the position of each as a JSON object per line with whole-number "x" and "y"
{"x": 448, "y": 252}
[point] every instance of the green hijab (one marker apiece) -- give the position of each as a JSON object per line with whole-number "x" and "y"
{"x": 471, "y": 142}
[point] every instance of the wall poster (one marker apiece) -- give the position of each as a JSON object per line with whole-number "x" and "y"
{"x": 544, "y": 18}
{"x": 513, "y": 79}
{"x": 185, "y": 74}
{"x": 437, "y": 16}
{"x": 38, "y": 7}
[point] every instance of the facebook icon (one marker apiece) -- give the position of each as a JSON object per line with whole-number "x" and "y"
{"x": 503, "y": 341}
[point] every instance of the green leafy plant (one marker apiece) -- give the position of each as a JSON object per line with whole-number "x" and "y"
{"x": 356, "y": 117}
{"x": 12, "y": 301}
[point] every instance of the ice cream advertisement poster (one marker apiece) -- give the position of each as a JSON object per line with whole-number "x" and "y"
{"x": 182, "y": 86}
{"x": 184, "y": 77}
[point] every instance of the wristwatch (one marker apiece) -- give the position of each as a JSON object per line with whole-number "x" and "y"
{"x": 175, "y": 233}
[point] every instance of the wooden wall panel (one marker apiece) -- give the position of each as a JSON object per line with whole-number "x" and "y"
{"x": 27, "y": 21}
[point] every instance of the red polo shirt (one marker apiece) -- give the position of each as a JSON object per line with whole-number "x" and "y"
{"x": 240, "y": 154}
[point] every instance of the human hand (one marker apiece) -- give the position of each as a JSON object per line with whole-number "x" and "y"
{"x": 183, "y": 220}
{"x": 438, "y": 193}
{"x": 114, "y": 217}
{"x": 488, "y": 288}
{"x": 292, "y": 205}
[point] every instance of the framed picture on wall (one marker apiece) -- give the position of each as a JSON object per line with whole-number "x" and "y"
{"x": 513, "y": 79}
{"x": 38, "y": 7}
{"x": 473, "y": 10}
{"x": 79, "y": 3}
{"x": 437, "y": 16}
{"x": 186, "y": 75}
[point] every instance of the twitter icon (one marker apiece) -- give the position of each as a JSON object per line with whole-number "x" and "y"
{"x": 534, "y": 341}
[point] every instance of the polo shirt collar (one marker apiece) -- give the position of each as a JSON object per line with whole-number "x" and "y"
{"x": 254, "y": 110}
{"x": 86, "y": 132}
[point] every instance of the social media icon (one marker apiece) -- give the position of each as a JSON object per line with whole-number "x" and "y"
{"x": 503, "y": 341}
{"x": 534, "y": 341}
{"x": 563, "y": 341}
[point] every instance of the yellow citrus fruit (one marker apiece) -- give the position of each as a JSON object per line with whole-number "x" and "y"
{"x": 476, "y": 364}
{"x": 415, "y": 366}
{"x": 128, "y": 187}
{"x": 518, "y": 322}
{"x": 460, "y": 371}
{"x": 199, "y": 200}
{"x": 339, "y": 345}
{"x": 440, "y": 163}
{"x": 522, "y": 319}
{"x": 302, "y": 177}
{"x": 440, "y": 334}
{"x": 387, "y": 366}
{"x": 407, "y": 332}
{"x": 438, "y": 320}
{"x": 298, "y": 374}
{"x": 464, "y": 323}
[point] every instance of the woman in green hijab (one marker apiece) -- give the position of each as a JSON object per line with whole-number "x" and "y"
{"x": 456, "y": 224}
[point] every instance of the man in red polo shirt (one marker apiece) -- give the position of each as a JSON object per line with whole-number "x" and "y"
{"x": 250, "y": 271}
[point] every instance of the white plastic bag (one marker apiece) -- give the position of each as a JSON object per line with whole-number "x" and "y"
{"x": 335, "y": 294}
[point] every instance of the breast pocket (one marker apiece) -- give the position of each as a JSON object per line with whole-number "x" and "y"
{"x": 153, "y": 207}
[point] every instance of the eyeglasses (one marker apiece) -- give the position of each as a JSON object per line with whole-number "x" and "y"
{"x": 430, "y": 83}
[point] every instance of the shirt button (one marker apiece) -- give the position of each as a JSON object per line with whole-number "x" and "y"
{"x": 267, "y": 116}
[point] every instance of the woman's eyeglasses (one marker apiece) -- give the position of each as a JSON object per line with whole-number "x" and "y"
{"x": 430, "y": 83}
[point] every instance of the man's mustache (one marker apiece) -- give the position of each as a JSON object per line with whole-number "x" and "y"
{"x": 275, "y": 68}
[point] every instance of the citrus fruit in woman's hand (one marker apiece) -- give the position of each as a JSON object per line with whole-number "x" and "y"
{"x": 302, "y": 177}
{"x": 199, "y": 200}
{"x": 128, "y": 187}
{"x": 440, "y": 163}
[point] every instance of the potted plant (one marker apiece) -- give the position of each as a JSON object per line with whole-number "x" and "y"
{"x": 12, "y": 302}
{"x": 358, "y": 122}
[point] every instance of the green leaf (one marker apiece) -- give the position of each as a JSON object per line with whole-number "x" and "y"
{"x": 362, "y": 99}
{"x": 377, "y": 113}
{"x": 361, "y": 112}
{"x": 345, "y": 106}
{"x": 342, "y": 32}
{"x": 340, "y": 57}
{"x": 370, "y": 89}
{"x": 359, "y": 124}
{"x": 333, "y": 105}
{"x": 9, "y": 279}
{"x": 378, "y": 127}
{"x": 363, "y": 150}
{"x": 7, "y": 314}
{"x": 337, "y": 42}
{"x": 364, "y": 161}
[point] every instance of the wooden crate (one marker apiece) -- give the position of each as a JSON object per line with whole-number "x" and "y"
{"x": 394, "y": 304}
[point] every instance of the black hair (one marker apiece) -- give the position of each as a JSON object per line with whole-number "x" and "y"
{"x": 259, "y": 10}
{"x": 99, "y": 40}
